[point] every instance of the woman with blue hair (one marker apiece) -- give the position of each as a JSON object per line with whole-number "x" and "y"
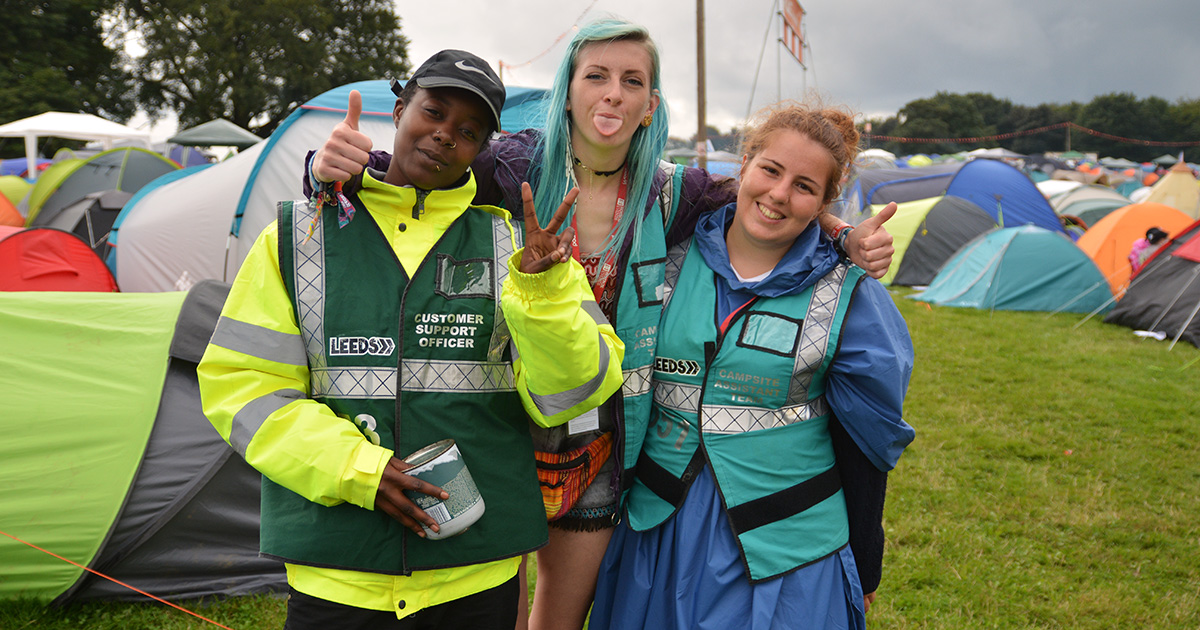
{"x": 604, "y": 132}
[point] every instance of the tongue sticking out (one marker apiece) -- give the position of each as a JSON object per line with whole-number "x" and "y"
{"x": 606, "y": 125}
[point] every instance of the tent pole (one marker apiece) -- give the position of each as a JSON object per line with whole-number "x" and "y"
{"x": 1175, "y": 299}
{"x": 1190, "y": 317}
{"x": 1089, "y": 290}
{"x": 31, "y": 156}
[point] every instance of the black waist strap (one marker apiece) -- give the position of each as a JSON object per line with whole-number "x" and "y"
{"x": 661, "y": 482}
{"x": 785, "y": 503}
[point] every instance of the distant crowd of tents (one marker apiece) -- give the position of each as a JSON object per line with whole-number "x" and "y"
{"x": 114, "y": 265}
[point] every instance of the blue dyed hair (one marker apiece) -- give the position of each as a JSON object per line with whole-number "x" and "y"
{"x": 549, "y": 175}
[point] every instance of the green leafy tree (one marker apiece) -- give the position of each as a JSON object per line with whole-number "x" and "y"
{"x": 53, "y": 57}
{"x": 945, "y": 115}
{"x": 1125, "y": 116}
{"x": 254, "y": 62}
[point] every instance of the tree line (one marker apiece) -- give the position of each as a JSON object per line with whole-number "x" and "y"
{"x": 1135, "y": 128}
{"x": 251, "y": 63}
{"x": 254, "y": 62}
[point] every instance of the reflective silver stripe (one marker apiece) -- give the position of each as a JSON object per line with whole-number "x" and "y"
{"x": 502, "y": 250}
{"x": 259, "y": 342}
{"x": 248, "y": 420}
{"x": 551, "y": 404}
{"x": 637, "y": 381}
{"x": 354, "y": 382}
{"x": 456, "y": 376}
{"x": 309, "y": 274}
{"x": 593, "y": 309}
{"x": 720, "y": 419}
{"x": 677, "y": 396}
{"x": 814, "y": 337}
{"x": 675, "y": 258}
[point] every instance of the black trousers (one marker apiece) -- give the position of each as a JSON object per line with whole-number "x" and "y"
{"x": 493, "y": 609}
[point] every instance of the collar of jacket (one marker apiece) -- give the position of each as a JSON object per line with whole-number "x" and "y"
{"x": 810, "y": 257}
{"x": 410, "y": 201}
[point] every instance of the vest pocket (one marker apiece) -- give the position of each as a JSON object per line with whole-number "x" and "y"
{"x": 771, "y": 332}
{"x": 471, "y": 278}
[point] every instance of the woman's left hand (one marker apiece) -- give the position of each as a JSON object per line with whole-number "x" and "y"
{"x": 870, "y": 246}
{"x": 544, "y": 248}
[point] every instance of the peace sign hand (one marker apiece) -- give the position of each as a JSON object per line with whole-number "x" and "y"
{"x": 543, "y": 247}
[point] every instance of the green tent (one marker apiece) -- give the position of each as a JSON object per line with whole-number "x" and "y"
{"x": 107, "y": 460}
{"x": 215, "y": 133}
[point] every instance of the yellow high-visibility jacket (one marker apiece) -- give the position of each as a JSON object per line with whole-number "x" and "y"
{"x": 256, "y": 367}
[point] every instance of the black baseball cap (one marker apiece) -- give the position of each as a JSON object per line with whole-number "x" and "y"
{"x": 460, "y": 69}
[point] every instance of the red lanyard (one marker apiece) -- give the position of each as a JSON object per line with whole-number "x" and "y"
{"x": 605, "y": 268}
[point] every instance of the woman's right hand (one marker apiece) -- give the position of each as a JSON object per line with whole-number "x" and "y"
{"x": 391, "y": 500}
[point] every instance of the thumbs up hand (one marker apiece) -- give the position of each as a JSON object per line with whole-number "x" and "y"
{"x": 345, "y": 153}
{"x": 870, "y": 246}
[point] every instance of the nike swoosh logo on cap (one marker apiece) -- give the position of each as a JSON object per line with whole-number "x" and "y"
{"x": 462, "y": 65}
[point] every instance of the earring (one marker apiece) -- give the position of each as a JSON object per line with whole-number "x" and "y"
{"x": 648, "y": 119}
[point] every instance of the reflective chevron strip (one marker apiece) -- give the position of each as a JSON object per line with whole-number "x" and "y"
{"x": 814, "y": 337}
{"x": 718, "y": 419}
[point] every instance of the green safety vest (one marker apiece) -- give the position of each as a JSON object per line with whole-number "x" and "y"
{"x": 412, "y": 361}
{"x": 757, "y": 394}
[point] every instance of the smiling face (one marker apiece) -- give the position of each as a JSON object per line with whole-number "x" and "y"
{"x": 610, "y": 94}
{"x": 782, "y": 192}
{"x": 438, "y": 134}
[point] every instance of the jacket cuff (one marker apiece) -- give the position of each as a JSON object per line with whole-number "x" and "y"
{"x": 532, "y": 286}
{"x": 360, "y": 481}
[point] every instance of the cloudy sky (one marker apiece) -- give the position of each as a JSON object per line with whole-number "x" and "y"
{"x": 874, "y": 56}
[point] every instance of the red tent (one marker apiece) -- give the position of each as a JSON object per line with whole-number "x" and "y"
{"x": 46, "y": 259}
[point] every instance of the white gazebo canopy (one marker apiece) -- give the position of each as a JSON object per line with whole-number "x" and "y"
{"x": 71, "y": 126}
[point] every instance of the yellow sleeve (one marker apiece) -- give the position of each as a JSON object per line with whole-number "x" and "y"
{"x": 254, "y": 384}
{"x": 566, "y": 355}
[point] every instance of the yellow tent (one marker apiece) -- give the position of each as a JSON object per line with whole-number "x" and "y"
{"x": 1178, "y": 189}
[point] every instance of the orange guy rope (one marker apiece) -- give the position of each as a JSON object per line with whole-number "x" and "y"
{"x": 157, "y": 599}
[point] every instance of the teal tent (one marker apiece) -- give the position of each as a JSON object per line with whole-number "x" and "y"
{"x": 1025, "y": 268}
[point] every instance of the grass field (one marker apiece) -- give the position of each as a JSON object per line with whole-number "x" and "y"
{"x": 1054, "y": 483}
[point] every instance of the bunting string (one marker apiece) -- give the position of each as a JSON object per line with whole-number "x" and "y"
{"x": 1030, "y": 132}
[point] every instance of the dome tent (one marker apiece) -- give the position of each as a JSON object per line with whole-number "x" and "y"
{"x": 125, "y": 168}
{"x": 157, "y": 499}
{"x": 1109, "y": 241}
{"x": 1020, "y": 269}
{"x": 1003, "y": 192}
{"x": 47, "y": 259}
{"x": 201, "y": 226}
{"x": 927, "y": 232}
{"x": 1165, "y": 295}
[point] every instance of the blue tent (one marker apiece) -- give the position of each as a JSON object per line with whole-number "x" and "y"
{"x": 1005, "y": 193}
{"x": 1020, "y": 269}
{"x": 1002, "y": 191}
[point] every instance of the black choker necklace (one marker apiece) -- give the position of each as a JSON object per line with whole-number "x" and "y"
{"x": 600, "y": 173}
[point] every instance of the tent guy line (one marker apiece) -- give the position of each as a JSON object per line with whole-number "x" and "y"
{"x": 111, "y": 579}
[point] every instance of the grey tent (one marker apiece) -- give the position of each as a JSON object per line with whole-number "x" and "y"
{"x": 90, "y": 218}
{"x": 215, "y": 133}
{"x": 951, "y": 223}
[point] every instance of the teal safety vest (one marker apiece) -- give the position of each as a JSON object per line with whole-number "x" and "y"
{"x": 411, "y": 361}
{"x": 638, "y": 307}
{"x": 756, "y": 393}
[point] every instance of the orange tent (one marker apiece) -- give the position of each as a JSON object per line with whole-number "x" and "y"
{"x": 1108, "y": 242}
{"x": 9, "y": 214}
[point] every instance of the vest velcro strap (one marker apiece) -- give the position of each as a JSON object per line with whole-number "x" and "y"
{"x": 661, "y": 482}
{"x": 785, "y": 503}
